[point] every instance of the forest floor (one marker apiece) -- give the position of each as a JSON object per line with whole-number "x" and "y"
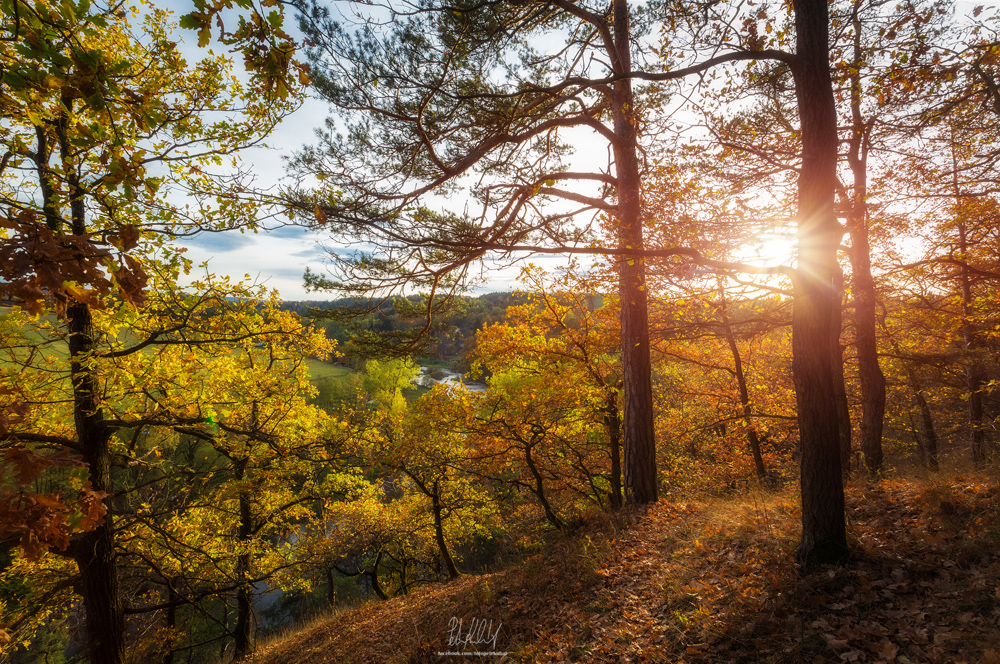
{"x": 712, "y": 580}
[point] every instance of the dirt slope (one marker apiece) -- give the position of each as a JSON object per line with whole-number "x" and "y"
{"x": 712, "y": 581}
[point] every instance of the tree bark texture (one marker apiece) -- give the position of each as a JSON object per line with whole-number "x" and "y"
{"x": 94, "y": 551}
{"x": 817, "y": 298}
{"x": 639, "y": 467}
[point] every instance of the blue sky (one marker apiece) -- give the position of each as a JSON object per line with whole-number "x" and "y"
{"x": 278, "y": 258}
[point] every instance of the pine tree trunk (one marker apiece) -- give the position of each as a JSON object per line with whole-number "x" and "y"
{"x": 817, "y": 299}
{"x": 639, "y": 468}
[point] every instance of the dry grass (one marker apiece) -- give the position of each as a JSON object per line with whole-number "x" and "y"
{"x": 714, "y": 580}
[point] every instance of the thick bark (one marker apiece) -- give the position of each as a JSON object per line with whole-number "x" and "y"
{"x": 613, "y": 426}
{"x": 863, "y": 285}
{"x": 449, "y": 562}
{"x": 94, "y": 551}
{"x": 637, "y": 409}
{"x": 741, "y": 382}
{"x": 817, "y": 298}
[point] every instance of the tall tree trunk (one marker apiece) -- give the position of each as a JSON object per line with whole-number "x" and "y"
{"x": 613, "y": 426}
{"x": 817, "y": 298}
{"x": 94, "y": 551}
{"x": 863, "y": 286}
{"x": 640, "y": 444}
{"x": 975, "y": 372}
{"x": 741, "y": 382}
{"x": 449, "y": 562}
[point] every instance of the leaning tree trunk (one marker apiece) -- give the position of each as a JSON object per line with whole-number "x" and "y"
{"x": 752, "y": 439}
{"x": 438, "y": 508}
{"x": 817, "y": 298}
{"x": 639, "y": 468}
{"x": 930, "y": 439}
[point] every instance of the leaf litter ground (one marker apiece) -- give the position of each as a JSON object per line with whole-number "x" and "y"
{"x": 713, "y": 581}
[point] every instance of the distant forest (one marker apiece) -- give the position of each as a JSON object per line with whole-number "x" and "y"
{"x": 450, "y": 336}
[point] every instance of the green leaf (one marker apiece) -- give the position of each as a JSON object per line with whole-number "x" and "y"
{"x": 190, "y": 21}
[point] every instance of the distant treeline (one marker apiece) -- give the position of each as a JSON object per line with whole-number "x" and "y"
{"x": 451, "y": 336}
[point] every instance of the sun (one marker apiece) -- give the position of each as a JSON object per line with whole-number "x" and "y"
{"x": 773, "y": 248}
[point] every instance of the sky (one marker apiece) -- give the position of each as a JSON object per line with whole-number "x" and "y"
{"x": 275, "y": 258}
{"x": 278, "y": 258}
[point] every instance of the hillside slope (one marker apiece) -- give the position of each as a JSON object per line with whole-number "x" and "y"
{"x": 712, "y": 581}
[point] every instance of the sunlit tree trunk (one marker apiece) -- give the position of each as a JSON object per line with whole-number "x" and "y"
{"x": 639, "y": 468}
{"x": 817, "y": 298}
{"x": 94, "y": 551}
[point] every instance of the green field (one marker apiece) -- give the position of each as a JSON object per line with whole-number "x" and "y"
{"x": 319, "y": 370}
